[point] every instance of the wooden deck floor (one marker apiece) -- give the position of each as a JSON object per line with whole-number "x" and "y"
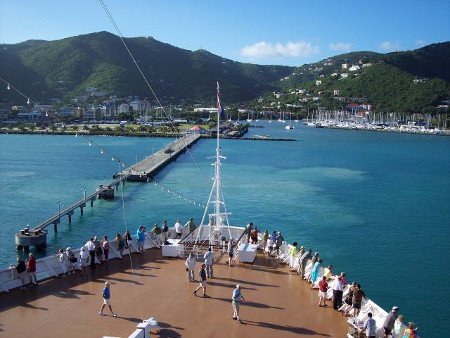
{"x": 278, "y": 303}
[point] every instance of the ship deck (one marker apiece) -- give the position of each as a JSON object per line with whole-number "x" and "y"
{"x": 278, "y": 303}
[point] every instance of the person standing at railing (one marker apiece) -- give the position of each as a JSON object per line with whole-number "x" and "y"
{"x": 91, "y": 248}
{"x": 62, "y": 261}
{"x": 190, "y": 225}
{"x": 157, "y": 233}
{"x": 140, "y": 234}
{"x": 31, "y": 268}
{"x": 105, "y": 246}
{"x": 293, "y": 252}
{"x": 72, "y": 260}
{"x": 165, "y": 232}
{"x": 178, "y": 229}
{"x": 21, "y": 271}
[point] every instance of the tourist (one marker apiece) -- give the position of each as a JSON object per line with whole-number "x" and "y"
{"x": 303, "y": 261}
{"x": 323, "y": 288}
{"x": 91, "y": 248}
{"x": 279, "y": 242}
{"x": 337, "y": 287}
{"x": 293, "y": 252}
{"x": 399, "y": 328}
{"x": 140, "y": 234}
{"x": 98, "y": 250}
{"x": 62, "y": 258}
{"x": 165, "y": 232}
{"x": 72, "y": 260}
{"x": 315, "y": 271}
{"x": 106, "y": 294}
{"x": 190, "y": 266}
{"x": 190, "y": 225}
{"x": 157, "y": 233}
{"x": 230, "y": 251}
{"x": 105, "y": 246}
{"x": 328, "y": 273}
{"x": 254, "y": 236}
{"x": 235, "y": 301}
{"x": 21, "y": 269}
{"x": 31, "y": 268}
{"x": 369, "y": 326}
{"x": 120, "y": 243}
{"x": 202, "y": 275}
{"x": 209, "y": 260}
{"x": 358, "y": 295}
{"x": 265, "y": 238}
{"x": 127, "y": 238}
{"x": 348, "y": 301}
{"x": 84, "y": 259}
{"x": 389, "y": 322}
{"x": 343, "y": 279}
{"x": 410, "y": 331}
{"x": 178, "y": 229}
{"x": 248, "y": 231}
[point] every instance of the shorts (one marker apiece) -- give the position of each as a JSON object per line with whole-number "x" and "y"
{"x": 106, "y": 301}
{"x": 322, "y": 294}
{"x": 230, "y": 255}
{"x": 387, "y": 331}
{"x": 356, "y": 306}
{"x": 203, "y": 283}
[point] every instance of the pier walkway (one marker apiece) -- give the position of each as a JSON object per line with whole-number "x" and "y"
{"x": 142, "y": 171}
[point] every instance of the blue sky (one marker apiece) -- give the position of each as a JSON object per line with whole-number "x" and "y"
{"x": 290, "y": 32}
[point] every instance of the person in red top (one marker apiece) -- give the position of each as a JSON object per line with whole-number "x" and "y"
{"x": 323, "y": 287}
{"x": 31, "y": 269}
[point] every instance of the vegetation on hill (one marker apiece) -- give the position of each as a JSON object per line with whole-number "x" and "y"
{"x": 412, "y": 81}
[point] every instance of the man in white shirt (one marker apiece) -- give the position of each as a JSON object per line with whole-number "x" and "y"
{"x": 91, "y": 248}
{"x": 209, "y": 258}
{"x": 337, "y": 287}
{"x": 178, "y": 229}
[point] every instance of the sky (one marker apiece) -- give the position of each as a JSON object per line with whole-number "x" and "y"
{"x": 279, "y": 32}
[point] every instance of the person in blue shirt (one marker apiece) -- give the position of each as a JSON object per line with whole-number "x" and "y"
{"x": 106, "y": 294}
{"x": 235, "y": 301}
{"x": 140, "y": 234}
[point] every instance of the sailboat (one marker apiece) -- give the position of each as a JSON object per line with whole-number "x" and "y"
{"x": 289, "y": 126}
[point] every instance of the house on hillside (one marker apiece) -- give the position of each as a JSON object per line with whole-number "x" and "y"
{"x": 354, "y": 68}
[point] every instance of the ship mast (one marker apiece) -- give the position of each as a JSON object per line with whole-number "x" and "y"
{"x": 217, "y": 222}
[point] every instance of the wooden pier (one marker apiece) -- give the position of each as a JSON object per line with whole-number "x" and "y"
{"x": 145, "y": 169}
{"x": 142, "y": 172}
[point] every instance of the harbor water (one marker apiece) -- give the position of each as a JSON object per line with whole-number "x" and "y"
{"x": 375, "y": 205}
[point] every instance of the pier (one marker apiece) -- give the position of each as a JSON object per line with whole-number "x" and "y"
{"x": 140, "y": 172}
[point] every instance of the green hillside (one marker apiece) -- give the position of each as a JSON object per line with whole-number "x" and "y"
{"x": 64, "y": 68}
{"x": 411, "y": 81}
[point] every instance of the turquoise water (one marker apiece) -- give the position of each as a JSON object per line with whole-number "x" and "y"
{"x": 376, "y": 205}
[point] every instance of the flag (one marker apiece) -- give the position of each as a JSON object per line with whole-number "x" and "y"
{"x": 220, "y": 110}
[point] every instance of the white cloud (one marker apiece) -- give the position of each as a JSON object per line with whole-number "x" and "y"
{"x": 420, "y": 43}
{"x": 341, "y": 46}
{"x": 290, "y": 49}
{"x": 389, "y": 46}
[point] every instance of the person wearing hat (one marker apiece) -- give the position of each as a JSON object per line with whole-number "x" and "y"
{"x": 106, "y": 294}
{"x": 235, "y": 301}
{"x": 389, "y": 321}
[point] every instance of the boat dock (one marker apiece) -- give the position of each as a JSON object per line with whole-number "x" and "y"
{"x": 142, "y": 172}
{"x": 145, "y": 169}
